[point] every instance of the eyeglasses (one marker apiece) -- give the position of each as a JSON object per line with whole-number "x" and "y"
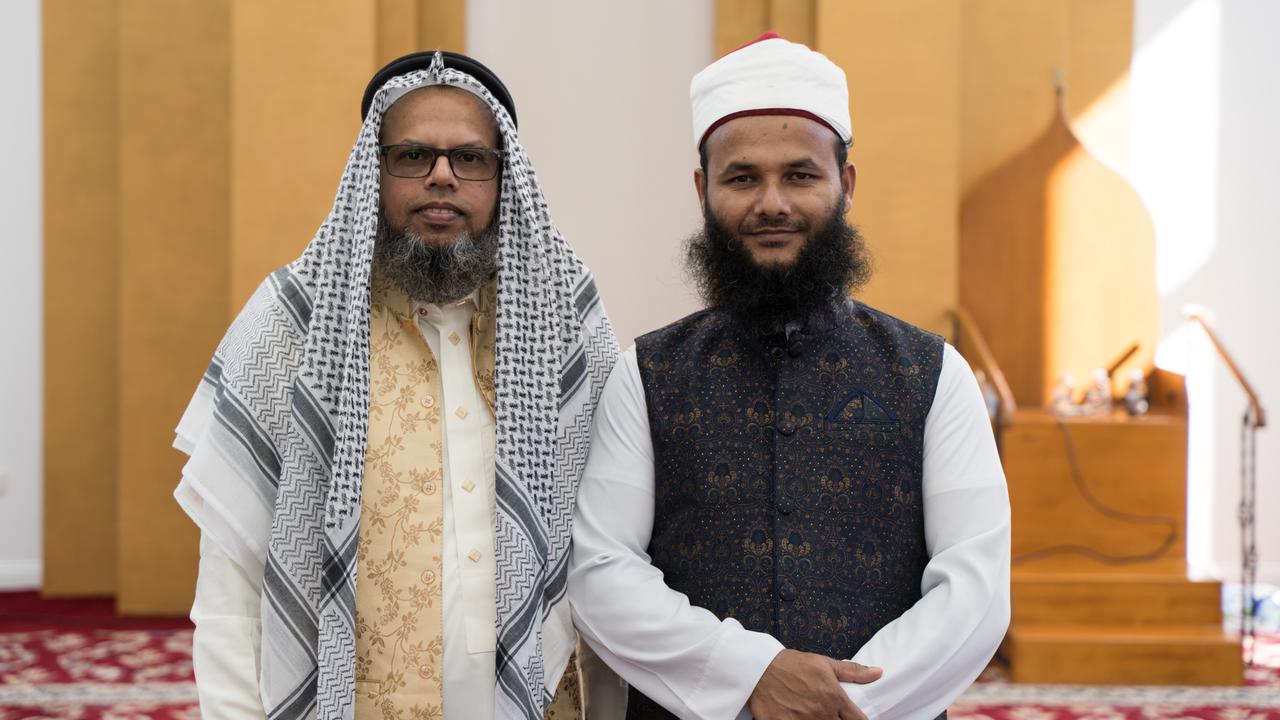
{"x": 418, "y": 161}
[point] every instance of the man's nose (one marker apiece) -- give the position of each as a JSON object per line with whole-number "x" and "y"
{"x": 441, "y": 173}
{"x": 772, "y": 201}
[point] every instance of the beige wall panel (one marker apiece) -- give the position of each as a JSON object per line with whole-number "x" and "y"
{"x": 80, "y": 296}
{"x": 296, "y": 84}
{"x": 406, "y": 26}
{"x": 738, "y": 22}
{"x": 397, "y": 29}
{"x": 174, "y": 93}
{"x": 1012, "y": 49}
{"x": 794, "y": 20}
{"x": 442, "y": 25}
{"x": 905, "y": 145}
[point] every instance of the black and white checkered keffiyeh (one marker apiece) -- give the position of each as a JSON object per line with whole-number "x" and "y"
{"x": 277, "y": 431}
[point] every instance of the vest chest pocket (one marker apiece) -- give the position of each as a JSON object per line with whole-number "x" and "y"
{"x": 860, "y": 413}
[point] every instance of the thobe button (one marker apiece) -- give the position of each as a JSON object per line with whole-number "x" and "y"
{"x": 786, "y": 427}
{"x": 461, "y": 413}
{"x": 454, "y": 338}
{"x": 468, "y": 486}
{"x": 474, "y": 555}
{"x": 422, "y": 312}
{"x": 787, "y": 592}
{"x": 776, "y": 352}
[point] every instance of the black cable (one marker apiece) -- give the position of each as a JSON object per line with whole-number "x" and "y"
{"x": 1078, "y": 478}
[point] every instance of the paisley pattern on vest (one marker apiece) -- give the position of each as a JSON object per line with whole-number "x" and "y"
{"x": 788, "y": 472}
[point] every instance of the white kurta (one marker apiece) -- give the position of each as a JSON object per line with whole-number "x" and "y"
{"x": 227, "y": 605}
{"x": 697, "y": 666}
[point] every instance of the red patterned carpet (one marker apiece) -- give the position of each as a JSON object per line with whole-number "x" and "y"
{"x": 118, "y": 674}
{"x": 994, "y": 698}
{"x": 76, "y": 659}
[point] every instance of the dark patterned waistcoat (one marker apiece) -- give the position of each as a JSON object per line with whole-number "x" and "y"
{"x": 788, "y": 472}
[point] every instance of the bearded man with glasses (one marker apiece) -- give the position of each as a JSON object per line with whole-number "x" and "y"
{"x": 386, "y": 447}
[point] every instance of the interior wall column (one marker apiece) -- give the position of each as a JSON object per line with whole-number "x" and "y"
{"x": 81, "y": 289}
{"x": 175, "y": 175}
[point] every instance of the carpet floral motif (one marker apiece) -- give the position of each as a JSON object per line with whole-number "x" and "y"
{"x": 91, "y": 673}
{"x": 138, "y": 674}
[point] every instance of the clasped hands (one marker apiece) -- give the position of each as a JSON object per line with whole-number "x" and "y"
{"x": 806, "y": 686}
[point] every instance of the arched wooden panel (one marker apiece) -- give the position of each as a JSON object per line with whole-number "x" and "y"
{"x": 1058, "y": 264}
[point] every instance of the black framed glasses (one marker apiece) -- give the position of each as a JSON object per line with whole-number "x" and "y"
{"x": 418, "y": 161}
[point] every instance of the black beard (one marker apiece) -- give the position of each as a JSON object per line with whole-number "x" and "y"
{"x": 435, "y": 274}
{"x": 833, "y": 263}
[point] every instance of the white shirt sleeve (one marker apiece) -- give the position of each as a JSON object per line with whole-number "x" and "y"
{"x": 696, "y": 666}
{"x": 678, "y": 655}
{"x": 935, "y": 650}
{"x": 226, "y": 646}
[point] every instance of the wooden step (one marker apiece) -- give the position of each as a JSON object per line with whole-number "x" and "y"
{"x": 1114, "y": 598}
{"x": 1198, "y": 654}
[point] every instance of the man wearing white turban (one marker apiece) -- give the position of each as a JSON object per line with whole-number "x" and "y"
{"x": 793, "y": 506}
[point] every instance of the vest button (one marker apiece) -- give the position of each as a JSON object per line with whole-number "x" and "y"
{"x": 787, "y": 592}
{"x": 784, "y": 508}
{"x": 786, "y": 427}
{"x": 794, "y": 350}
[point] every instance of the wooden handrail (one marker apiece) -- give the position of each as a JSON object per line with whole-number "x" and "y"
{"x": 965, "y": 325}
{"x": 1255, "y": 403}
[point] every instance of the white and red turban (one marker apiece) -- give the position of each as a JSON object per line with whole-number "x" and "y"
{"x": 770, "y": 76}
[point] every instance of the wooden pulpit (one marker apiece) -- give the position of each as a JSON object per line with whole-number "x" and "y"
{"x": 1058, "y": 276}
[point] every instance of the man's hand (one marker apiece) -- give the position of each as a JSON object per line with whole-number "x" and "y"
{"x": 804, "y": 685}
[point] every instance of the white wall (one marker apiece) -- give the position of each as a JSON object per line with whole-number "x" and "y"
{"x": 21, "y": 316}
{"x": 602, "y": 95}
{"x": 1206, "y": 157}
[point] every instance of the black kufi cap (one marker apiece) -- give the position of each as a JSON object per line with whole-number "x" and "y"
{"x": 422, "y": 61}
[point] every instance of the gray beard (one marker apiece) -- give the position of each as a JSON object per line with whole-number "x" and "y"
{"x": 435, "y": 274}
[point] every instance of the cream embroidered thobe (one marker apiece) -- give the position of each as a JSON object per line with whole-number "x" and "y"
{"x": 427, "y": 509}
{"x": 426, "y": 586}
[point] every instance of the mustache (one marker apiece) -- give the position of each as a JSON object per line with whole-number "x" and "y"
{"x": 787, "y": 224}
